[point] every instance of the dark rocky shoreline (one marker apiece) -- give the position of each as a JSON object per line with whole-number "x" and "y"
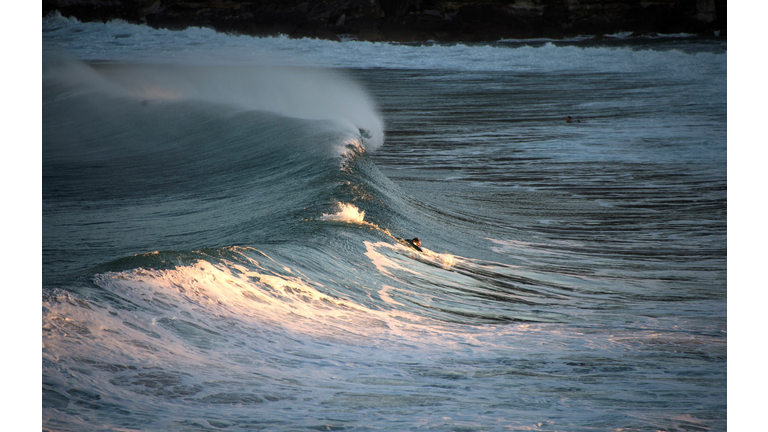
{"x": 412, "y": 20}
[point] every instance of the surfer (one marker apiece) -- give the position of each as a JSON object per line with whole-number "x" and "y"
{"x": 568, "y": 119}
{"x": 415, "y": 243}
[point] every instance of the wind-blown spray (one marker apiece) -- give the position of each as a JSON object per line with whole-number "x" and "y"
{"x": 298, "y": 92}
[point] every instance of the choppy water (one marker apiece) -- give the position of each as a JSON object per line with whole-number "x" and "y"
{"x": 222, "y": 216}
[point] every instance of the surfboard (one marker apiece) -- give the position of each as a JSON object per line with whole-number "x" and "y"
{"x": 410, "y": 243}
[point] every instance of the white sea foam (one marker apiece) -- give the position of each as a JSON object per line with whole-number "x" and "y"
{"x": 425, "y": 340}
{"x": 119, "y": 41}
{"x": 347, "y": 213}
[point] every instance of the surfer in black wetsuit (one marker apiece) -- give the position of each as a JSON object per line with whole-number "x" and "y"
{"x": 415, "y": 243}
{"x": 568, "y": 119}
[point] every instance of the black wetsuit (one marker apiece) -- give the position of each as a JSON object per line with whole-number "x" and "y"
{"x": 410, "y": 242}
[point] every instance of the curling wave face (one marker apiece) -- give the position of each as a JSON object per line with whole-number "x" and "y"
{"x": 223, "y": 238}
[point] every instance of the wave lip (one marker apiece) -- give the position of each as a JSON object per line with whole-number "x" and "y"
{"x": 297, "y": 92}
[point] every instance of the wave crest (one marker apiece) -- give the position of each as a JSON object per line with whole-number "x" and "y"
{"x": 347, "y": 213}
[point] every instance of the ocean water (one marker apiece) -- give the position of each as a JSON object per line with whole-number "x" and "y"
{"x": 223, "y": 220}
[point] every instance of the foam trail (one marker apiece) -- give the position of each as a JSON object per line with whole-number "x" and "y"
{"x": 349, "y": 213}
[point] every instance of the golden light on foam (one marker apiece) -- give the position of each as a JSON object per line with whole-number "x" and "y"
{"x": 384, "y": 264}
{"x": 347, "y": 213}
{"x": 381, "y": 262}
{"x": 349, "y": 149}
{"x": 252, "y": 296}
{"x": 256, "y": 296}
{"x": 216, "y": 296}
{"x": 446, "y": 260}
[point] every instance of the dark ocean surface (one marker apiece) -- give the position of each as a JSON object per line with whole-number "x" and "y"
{"x": 223, "y": 220}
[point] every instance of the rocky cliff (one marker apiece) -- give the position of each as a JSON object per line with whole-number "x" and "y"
{"x": 412, "y": 20}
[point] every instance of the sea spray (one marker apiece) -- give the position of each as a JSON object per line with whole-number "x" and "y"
{"x": 298, "y": 92}
{"x": 256, "y": 314}
{"x": 347, "y": 213}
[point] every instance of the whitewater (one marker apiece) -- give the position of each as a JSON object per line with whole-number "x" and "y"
{"x": 225, "y": 226}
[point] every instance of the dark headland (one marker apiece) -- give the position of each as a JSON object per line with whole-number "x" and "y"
{"x": 413, "y": 20}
